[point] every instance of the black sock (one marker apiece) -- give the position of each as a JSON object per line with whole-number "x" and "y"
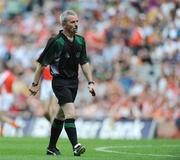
{"x": 56, "y": 129}
{"x": 70, "y": 129}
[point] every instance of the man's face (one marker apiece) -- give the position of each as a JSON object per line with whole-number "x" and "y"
{"x": 71, "y": 25}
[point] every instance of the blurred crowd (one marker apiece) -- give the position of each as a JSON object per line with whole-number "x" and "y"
{"x": 133, "y": 46}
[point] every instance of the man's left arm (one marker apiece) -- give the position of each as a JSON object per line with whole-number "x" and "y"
{"x": 86, "y": 68}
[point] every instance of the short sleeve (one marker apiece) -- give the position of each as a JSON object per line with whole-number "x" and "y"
{"x": 47, "y": 56}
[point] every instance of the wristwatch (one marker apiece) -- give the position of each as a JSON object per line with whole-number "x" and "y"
{"x": 34, "y": 84}
{"x": 91, "y": 82}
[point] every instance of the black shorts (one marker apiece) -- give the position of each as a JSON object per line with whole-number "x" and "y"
{"x": 65, "y": 89}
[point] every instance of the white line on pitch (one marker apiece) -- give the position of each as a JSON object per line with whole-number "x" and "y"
{"x": 108, "y": 150}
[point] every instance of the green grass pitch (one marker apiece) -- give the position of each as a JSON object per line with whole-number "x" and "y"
{"x": 35, "y": 148}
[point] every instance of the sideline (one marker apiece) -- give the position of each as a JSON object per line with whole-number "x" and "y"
{"x": 109, "y": 149}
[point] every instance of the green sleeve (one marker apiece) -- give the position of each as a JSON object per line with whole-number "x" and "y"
{"x": 48, "y": 54}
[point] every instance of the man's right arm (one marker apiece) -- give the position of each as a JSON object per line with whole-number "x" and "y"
{"x": 44, "y": 59}
{"x": 37, "y": 75}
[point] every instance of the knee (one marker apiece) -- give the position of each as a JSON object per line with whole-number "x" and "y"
{"x": 69, "y": 111}
{"x": 70, "y": 115}
{"x": 60, "y": 116}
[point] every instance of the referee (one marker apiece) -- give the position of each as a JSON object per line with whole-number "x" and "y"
{"x": 64, "y": 53}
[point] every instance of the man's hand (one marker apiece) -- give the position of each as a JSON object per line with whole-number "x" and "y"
{"x": 34, "y": 89}
{"x": 91, "y": 87}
